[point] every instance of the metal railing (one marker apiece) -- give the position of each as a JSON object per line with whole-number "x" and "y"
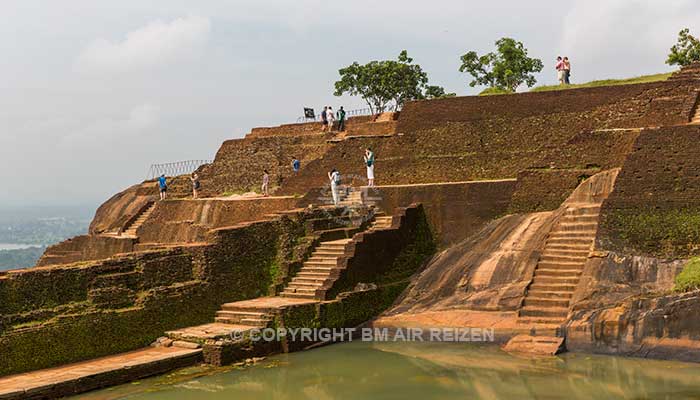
{"x": 351, "y": 113}
{"x": 175, "y": 168}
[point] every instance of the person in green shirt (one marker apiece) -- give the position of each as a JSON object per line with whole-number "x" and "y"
{"x": 341, "y": 119}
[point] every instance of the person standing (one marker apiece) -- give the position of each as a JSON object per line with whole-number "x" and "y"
{"x": 296, "y": 165}
{"x": 331, "y": 118}
{"x": 163, "y": 185}
{"x": 341, "y": 119}
{"x": 265, "y": 183}
{"x": 195, "y": 184}
{"x": 334, "y": 177}
{"x": 560, "y": 70}
{"x": 324, "y": 117}
{"x": 567, "y": 71}
{"x": 369, "y": 161}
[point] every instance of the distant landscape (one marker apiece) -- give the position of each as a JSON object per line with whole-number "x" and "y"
{"x": 25, "y": 232}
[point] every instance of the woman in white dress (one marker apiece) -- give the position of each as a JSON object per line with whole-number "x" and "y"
{"x": 369, "y": 161}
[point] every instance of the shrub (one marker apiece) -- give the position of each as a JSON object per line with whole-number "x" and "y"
{"x": 689, "y": 278}
{"x": 494, "y": 90}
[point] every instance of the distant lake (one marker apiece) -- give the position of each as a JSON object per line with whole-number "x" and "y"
{"x": 13, "y": 246}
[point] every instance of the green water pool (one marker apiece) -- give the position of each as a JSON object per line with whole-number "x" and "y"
{"x": 424, "y": 371}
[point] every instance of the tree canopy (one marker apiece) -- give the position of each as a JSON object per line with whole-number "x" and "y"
{"x": 685, "y": 51}
{"x": 380, "y": 83}
{"x": 506, "y": 68}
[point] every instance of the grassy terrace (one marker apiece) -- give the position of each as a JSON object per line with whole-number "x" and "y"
{"x": 606, "y": 82}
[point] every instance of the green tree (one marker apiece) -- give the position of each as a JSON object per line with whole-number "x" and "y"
{"x": 506, "y": 68}
{"x": 380, "y": 83}
{"x": 686, "y": 51}
{"x": 437, "y": 92}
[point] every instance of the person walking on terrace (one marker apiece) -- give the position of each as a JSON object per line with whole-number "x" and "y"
{"x": 560, "y": 70}
{"x": 567, "y": 71}
{"x": 296, "y": 165}
{"x": 195, "y": 184}
{"x": 334, "y": 177}
{"x": 331, "y": 118}
{"x": 163, "y": 186}
{"x": 324, "y": 117}
{"x": 369, "y": 161}
{"x": 341, "y": 119}
{"x": 265, "y": 183}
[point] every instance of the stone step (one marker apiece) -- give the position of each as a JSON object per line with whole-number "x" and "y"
{"x": 545, "y": 302}
{"x": 556, "y": 252}
{"x": 312, "y": 275}
{"x": 583, "y": 210}
{"x": 328, "y": 252}
{"x": 537, "y": 345}
{"x": 568, "y": 241}
{"x": 553, "y": 287}
{"x": 550, "y": 294}
{"x": 300, "y": 286}
{"x": 558, "y": 273}
{"x": 550, "y": 258}
{"x": 577, "y": 226}
{"x": 586, "y": 235}
{"x": 551, "y": 312}
{"x": 555, "y": 280}
{"x": 549, "y": 322}
{"x": 574, "y": 218}
{"x": 316, "y": 259}
{"x": 560, "y": 264}
{"x": 574, "y": 246}
{"x": 318, "y": 270}
{"x": 320, "y": 264}
{"x": 321, "y": 279}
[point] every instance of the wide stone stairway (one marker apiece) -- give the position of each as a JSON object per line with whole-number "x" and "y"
{"x": 695, "y": 120}
{"x": 546, "y": 304}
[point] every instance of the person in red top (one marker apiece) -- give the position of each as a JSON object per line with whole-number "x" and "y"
{"x": 560, "y": 70}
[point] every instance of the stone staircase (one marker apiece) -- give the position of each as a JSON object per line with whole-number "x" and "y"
{"x": 558, "y": 271}
{"x": 350, "y": 197}
{"x": 324, "y": 265}
{"x": 695, "y": 120}
{"x": 130, "y": 230}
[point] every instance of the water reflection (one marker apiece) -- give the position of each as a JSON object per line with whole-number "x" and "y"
{"x": 425, "y": 371}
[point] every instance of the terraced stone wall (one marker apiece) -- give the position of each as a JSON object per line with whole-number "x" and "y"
{"x": 654, "y": 209}
{"x": 56, "y": 315}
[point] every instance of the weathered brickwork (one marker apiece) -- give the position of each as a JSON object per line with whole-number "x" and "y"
{"x": 655, "y": 207}
{"x": 73, "y": 312}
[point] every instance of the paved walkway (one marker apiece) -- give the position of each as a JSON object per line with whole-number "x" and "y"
{"x": 88, "y": 375}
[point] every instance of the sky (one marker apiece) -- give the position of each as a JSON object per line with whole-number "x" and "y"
{"x": 92, "y": 92}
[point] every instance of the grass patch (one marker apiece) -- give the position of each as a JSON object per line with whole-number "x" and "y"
{"x": 689, "y": 279}
{"x": 606, "y": 82}
{"x": 494, "y": 91}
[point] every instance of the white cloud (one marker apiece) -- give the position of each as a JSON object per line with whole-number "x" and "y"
{"x": 154, "y": 44}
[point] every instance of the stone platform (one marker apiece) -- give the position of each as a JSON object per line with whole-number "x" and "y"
{"x": 89, "y": 375}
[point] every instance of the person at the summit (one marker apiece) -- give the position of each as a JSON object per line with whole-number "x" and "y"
{"x": 334, "y": 177}
{"x": 265, "y": 183}
{"x": 296, "y": 165}
{"x": 195, "y": 184}
{"x": 330, "y": 117}
{"x": 369, "y": 161}
{"x": 560, "y": 70}
{"x": 341, "y": 119}
{"x": 324, "y": 117}
{"x": 567, "y": 71}
{"x": 163, "y": 185}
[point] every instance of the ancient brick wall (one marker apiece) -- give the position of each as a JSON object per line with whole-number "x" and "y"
{"x": 73, "y": 312}
{"x": 85, "y": 248}
{"x": 625, "y": 106}
{"x": 181, "y": 221}
{"x": 655, "y": 207}
{"x": 454, "y": 211}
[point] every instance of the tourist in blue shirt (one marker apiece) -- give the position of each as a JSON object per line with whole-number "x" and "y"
{"x": 163, "y": 186}
{"x": 296, "y": 165}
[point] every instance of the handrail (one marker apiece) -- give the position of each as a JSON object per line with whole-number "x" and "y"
{"x": 175, "y": 168}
